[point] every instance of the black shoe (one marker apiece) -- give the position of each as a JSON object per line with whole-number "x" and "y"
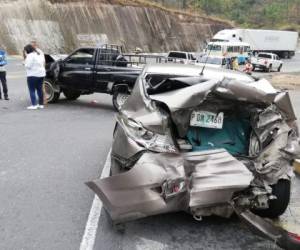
{"x": 6, "y": 98}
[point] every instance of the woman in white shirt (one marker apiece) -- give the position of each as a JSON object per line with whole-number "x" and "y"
{"x": 35, "y": 70}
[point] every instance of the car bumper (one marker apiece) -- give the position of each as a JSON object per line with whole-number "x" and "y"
{"x": 259, "y": 66}
{"x": 160, "y": 183}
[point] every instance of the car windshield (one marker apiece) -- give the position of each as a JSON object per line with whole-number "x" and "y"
{"x": 214, "y": 47}
{"x": 211, "y": 60}
{"x": 264, "y": 56}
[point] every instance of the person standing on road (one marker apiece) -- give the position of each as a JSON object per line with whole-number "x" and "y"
{"x": 235, "y": 64}
{"x": 248, "y": 67}
{"x": 3, "y": 62}
{"x": 35, "y": 70}
{"x": 35, "y": 46}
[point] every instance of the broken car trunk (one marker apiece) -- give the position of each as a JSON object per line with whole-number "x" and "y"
{"x": 198, "y": 145}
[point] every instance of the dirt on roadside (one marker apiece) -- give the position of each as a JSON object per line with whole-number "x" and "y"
{"x": 289, "y": 81}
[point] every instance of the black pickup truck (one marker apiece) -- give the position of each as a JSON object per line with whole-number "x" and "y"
{"x": 93, "y": 70}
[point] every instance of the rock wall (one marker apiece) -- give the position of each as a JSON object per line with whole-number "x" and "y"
{"x": 61, "y": 26}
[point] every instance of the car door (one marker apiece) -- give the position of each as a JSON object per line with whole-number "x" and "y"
{"x": 77, "y": 70}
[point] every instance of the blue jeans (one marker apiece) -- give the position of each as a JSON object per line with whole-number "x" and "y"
{"x": 35, "y": 84}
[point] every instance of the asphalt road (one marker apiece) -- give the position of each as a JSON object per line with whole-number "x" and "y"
{"x": 47, "y": 155}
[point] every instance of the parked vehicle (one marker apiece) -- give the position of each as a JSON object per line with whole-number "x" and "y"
{"x": 94, "y": 70}
{"x": 212, "y": 61}
{"x": 282, "y": 43}
{"x": 230, "y": 49}
{"x": 267, "y": 62}
{"x": 181, "y": 57}
{"x": 192, "y": 140}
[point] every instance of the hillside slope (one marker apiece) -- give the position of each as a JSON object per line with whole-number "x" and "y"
{"x": 61, "y": 26}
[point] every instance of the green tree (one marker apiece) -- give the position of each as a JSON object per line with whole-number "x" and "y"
{"x": 210, "y": 6}
{"x": 274, "y": 12}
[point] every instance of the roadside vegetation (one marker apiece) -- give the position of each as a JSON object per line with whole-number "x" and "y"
{"x": 281, "y": 14}
{"x": 270, "y": 14}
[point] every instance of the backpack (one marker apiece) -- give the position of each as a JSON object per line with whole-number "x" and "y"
{"x": 2, "y": 58}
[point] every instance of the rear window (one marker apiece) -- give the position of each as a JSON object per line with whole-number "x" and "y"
{"x": 177, "y": 55}
{"x": 107, "y": 56}
{"x": 160, "y": 83}
{"x": 212, "y": 60}
{"x": 264, "y": 56}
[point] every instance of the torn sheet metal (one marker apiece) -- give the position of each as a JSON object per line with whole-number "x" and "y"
{"x": 194, "y": 181}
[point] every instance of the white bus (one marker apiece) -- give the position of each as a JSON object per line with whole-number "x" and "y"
{"x": 240, "y": 50}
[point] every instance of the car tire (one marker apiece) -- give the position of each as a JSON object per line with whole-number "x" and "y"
{"x": 279, "y": 68}
{"x": 52, "y": 95}
{"x": 277, "y": 207}
{"x": 71, "y": 94}
{"x": 119, "y": 99}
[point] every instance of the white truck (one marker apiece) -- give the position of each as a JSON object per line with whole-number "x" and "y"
{"x": 267, "y": 62}
{"x": 282, "y": 43}
{"x": 181, "y": 57}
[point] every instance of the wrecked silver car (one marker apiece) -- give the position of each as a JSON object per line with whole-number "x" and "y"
{"x": 208, "y": 144}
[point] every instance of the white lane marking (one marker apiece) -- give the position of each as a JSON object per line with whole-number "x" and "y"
{"x": 89, "y": 236}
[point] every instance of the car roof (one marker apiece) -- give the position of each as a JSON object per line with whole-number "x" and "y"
{"x": 233, "y": 43}
{"x": 194, "y": 70}
{"x": 212, "y": 56}
{"x": 178, "y": 51}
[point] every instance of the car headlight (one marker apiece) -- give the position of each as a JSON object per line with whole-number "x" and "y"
{"x": 148, "y": 139}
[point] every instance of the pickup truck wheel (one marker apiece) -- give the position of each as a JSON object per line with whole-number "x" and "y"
{"x": 71, "y": 94}
{"x": 277, "y": 207}
{"x": 279, "y": 68}
{"x": 51, "y": 95}
{"x": 119, "y": 99}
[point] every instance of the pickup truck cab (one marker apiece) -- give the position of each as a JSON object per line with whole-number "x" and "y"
{"x": 267, "y": 62}
{"x": 91, "y": 70}
{"x": 181, "y": 57}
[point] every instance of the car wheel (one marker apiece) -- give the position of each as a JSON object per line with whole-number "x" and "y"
{"x": 71, "y": 94}
{"x": 277, "y": 207}
{"x": 119, "y": 98}
{"x": 50, "y": 93}
{"x": 279, "y": 68}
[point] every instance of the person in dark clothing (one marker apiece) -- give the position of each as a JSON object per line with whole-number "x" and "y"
{"x": 3, "y": 62}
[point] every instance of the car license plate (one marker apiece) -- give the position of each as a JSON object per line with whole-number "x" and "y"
{"x": 207, "y": 119}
